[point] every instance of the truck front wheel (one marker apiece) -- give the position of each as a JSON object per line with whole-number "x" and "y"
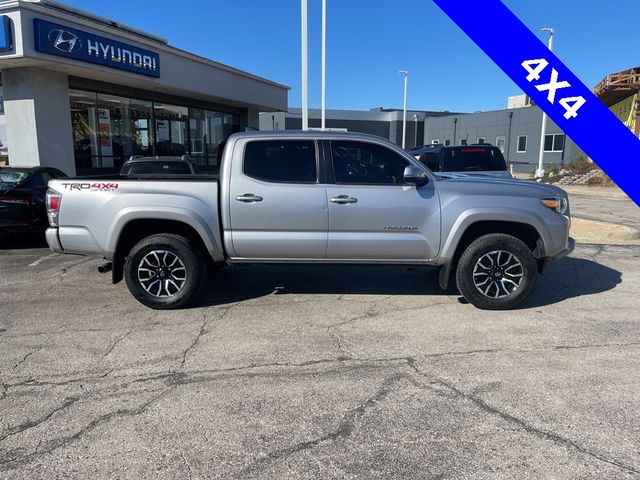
{"x": 164, "y": 271}
{"x": 496, "y": 272}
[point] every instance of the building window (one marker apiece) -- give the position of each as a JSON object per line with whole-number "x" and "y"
{"x": 108, "y": 129}
{"x": 554, "y": 142}
{"x": 481, "y": 140}
{"x": 447, "y": 142}
{"x": 522, "y": 144}
{"x": 463, "y": 141}
{"x": 435, "y": 141}
{"x": 501, "y": 142}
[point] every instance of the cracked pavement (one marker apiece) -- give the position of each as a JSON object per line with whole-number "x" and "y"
{"x": 319, "y": 372}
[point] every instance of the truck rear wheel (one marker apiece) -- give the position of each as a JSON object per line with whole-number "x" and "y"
{"x": 164, "y": 271}
{"x": 496, "y": 272}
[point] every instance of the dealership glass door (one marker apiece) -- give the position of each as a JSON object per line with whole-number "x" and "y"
{"x": 85, "y": 131}
{"x": 141, "y": 131}
{"x": 115, "y": 130}
{"x": 171, "y": 130}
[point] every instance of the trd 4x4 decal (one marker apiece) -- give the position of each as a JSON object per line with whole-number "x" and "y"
{"x": 92, "y": 187}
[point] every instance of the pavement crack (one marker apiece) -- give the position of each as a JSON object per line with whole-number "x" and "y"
{"x": 202, "y": 332}
{"x": 27, "y": 356}
{"x": 34, "y": 423}
{"x": 344, "y": 429}
{"x": 9, "y": 459}
{"x": 186, "y": 464}
{"x": 117, "y": 341}
{"x": 338, "y": 340}
{"x": 523, "y": 424}
{"x": 597, "y": 345}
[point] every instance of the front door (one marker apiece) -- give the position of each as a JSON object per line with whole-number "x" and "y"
{"x": 373, "y": 214}
{"x": 278, "y": 208}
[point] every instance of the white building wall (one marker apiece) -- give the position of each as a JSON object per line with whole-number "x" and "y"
{"x": 38, "y": 123}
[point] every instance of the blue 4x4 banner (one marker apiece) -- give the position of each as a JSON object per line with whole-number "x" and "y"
{"x": 552, "y": 86}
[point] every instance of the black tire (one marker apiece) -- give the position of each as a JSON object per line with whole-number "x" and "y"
{"x": 482, "y": 261}
{"x": 180, "y": 283}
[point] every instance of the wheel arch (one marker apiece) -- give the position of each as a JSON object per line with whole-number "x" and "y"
{"x": 519, "y": 227}
{"x": 135, "y": 229}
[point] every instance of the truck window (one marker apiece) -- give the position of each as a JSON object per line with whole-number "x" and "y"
{"x": 290, "y": 161}
{"x": 366, "y": 163}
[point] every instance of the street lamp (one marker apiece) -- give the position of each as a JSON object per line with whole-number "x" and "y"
{"x": 323, "y": 116}
{"x": 540, "y": 170}
{"x": 405, "y": 74}
{"x": 305, "y": 85}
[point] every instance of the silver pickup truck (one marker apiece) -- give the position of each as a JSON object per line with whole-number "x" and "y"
{"x": 312, "y": 197}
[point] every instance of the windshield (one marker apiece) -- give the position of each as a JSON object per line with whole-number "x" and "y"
{"x": 11, "y": 179}
{"x": 473, "y": 159}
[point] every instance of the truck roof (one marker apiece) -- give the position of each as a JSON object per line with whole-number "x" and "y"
{"x": 306, "y": 134}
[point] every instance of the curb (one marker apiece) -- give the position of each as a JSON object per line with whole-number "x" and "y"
{"x": 609, "y": 192}
{"x": 592, "y": 231}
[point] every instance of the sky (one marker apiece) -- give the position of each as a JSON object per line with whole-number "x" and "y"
{"x": 369, "y": 41}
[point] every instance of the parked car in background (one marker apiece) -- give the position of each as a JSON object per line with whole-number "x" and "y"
{"x": 482, "y": 159}
{"x": 22, "y": 198}
{"x": 159, "y": 166}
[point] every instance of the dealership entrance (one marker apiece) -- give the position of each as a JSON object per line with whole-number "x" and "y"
{"x": 84, "y": 94}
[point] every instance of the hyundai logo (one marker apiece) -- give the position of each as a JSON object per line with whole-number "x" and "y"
{"x": 64, "y": 41}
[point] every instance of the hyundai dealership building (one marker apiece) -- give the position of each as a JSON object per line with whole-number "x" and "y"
{"x": 83, "y": 93}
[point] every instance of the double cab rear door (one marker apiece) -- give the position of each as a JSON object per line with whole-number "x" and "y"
{"x": 302, "y": 199}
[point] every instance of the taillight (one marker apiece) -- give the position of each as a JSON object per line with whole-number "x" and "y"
{"x": 53, "y": 207}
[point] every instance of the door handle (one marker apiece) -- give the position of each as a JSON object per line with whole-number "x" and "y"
{"x": 249, "y": 198}
{"x": 343, "y": 199}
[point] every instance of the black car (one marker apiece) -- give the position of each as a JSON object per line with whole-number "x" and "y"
{"x": 22, "y": 198}
{"x": 159, "y": 166}
{"x": 481, "y": 159}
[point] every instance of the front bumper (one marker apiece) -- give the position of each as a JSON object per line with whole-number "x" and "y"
{"x": 53, "y": 240}
{"x": 571, "y": 245}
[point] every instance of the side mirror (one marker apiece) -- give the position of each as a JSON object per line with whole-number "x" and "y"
{"x": 414, "y": 176}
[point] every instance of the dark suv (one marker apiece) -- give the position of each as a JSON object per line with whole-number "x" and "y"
{"x": 482, "y": 159}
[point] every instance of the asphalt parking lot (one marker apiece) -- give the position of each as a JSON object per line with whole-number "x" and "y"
{"x": 325, "y": 372}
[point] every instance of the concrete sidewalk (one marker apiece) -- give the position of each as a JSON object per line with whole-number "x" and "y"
{"x": 609, "y": 192}
{"x": 595, "y": 232}
{"x": 603, "y": 215}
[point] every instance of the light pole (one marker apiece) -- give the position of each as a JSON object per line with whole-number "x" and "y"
{"x": 540, "y": 170}
{"x": 324, "y": 63}
{"x": 305, "y": 86}
{"x": 405, "y": 74}
{"x": 415, "y": 137}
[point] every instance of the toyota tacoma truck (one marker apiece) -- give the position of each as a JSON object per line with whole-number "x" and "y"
{"x": 310, "y": 198}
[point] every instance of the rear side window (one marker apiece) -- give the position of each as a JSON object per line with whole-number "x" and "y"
{"x": 473, "y": 159}
{"x": 290, "y": 161}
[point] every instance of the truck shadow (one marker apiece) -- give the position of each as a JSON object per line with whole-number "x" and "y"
{"x": 566, "y": 278}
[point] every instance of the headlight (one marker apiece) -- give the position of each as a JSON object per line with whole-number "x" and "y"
{"x": 559, "y": 204}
